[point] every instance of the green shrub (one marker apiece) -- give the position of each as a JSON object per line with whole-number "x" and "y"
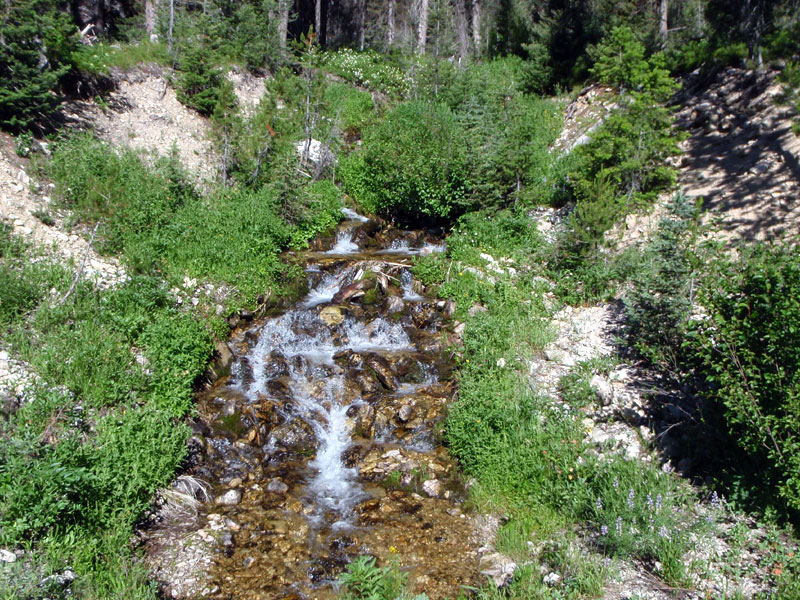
{"x": 413, "y": 163}
{"x": 99, "y": 183}
{"x": 178, "y": 347}
{"x": 748, "y": 348}
{"x": 364, "y": 580}
{"x": 641, "y": 511}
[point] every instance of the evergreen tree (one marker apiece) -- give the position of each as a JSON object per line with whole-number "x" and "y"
{"x": 36, "y": 40}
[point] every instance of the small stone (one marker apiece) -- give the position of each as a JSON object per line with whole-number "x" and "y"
{"x": 277, "y": 486}
{"x": 552, "y": 579}
{"x": 7, "y": 556}
{"x": 331, "y": 315}
{"x": 235, "y": 482}
{"x": 230, "y": 498}
{"x": 603, "y": 389}
{"x": 405, "y": 413}
{"x": 432, "y": 487}
{"x": 248, "y": 562}
{"x": 501, "y": 362}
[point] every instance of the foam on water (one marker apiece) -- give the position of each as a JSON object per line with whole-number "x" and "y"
{"x": 318, "y": 400}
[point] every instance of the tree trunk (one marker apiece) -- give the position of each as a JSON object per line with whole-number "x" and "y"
{"x": 390, "y": 33}
{"x": 362, "y": 24}
{"x": 422, "y": 26}
{"x": 171, "y": 24}
{"x": 663, "y": 24}
{"x": 461, "y": 29}
{"x": 476, "y": 25}
{"x": 150, "y": 12}
{"x": 283, "y": 24}
{"x": 318, "y": 19}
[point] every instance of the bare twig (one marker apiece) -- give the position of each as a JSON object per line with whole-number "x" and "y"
{"x": 80, "y": 269}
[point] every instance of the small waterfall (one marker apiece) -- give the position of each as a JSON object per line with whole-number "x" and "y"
{"x": 344, "y": 243}
{"x": 407, "y": 285}
{"x": 353, "y": 215}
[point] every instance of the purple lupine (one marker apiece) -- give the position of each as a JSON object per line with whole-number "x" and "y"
{"x": 631, "y": 496}
{"x": 604, "y": 530}
{"x": 619, "y": 525}
{"x": 659, "y": 499}
{"x": 599, "y": 504}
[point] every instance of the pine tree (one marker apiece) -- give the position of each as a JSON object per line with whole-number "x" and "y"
{"x": 36, "y": 40}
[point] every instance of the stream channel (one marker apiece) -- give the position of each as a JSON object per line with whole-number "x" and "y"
{"x": 321, "y": 444}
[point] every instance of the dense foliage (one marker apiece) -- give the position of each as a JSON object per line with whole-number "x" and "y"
{"x": 748, "y": 346}
{"x": 413, "y": 163}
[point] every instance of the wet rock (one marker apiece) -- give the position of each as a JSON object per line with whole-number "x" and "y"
{"x": 355, "y": 289}
{"x": 405, "y": 413}
{"x": 449, "y": 308}
{"x": 277, "y": 388}
{"x": 276, "y": 366}
{"x": 423, "y": 314}
{"x": 296, "y": 436}
{"x": 229, "y": 498}
{"x": 382, "y": 370}
{"x": 276, "y": 486}
{"x": 365, "y": 420}
{"x": 331, "y": 316}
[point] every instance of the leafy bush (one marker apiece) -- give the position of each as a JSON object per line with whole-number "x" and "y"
{"x": 364, "y": 580}
{"x": 640, "y": 511}
{"x": 413, "y": 163}
{"x": 748, "y": 348}
{"x": 178, "y": 347}
{"x": 99, "y": 183}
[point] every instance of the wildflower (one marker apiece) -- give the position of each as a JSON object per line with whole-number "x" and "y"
{"x": 603, "y": 530}
{"x": 659, "y": 499}
{"x": 599, "y": 504}
{"x": 616, "y": 483}
{"x": 631, "y": 496}
{"x": 619, "y": 525}
{"x": 392, "y": 549}
{"x": 650, "y": 501}
{"x": 662, "y": 532}
{"x": 715, "y": 499}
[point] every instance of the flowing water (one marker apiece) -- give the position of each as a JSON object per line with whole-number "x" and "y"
{"x": 320, "y": 445}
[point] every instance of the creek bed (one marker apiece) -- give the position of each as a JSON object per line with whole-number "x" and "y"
{"x": 321, "y": 445}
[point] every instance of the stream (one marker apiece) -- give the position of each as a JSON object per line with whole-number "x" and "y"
{"x": 321, "y": 444}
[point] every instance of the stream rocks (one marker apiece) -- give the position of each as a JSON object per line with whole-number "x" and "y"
{"x": 320, "y": 445}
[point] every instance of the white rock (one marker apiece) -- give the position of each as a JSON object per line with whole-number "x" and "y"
{"x": 230, "y": 498}
{"x": 551, "y": 579}
{"x": 431, "y": 487}
{"x": 7, "y": 556}
{"x": 603, "y": 389}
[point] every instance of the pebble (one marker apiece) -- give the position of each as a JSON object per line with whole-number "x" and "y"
{"x": 7, "y": 556}
{"x": 230, "y": 498}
